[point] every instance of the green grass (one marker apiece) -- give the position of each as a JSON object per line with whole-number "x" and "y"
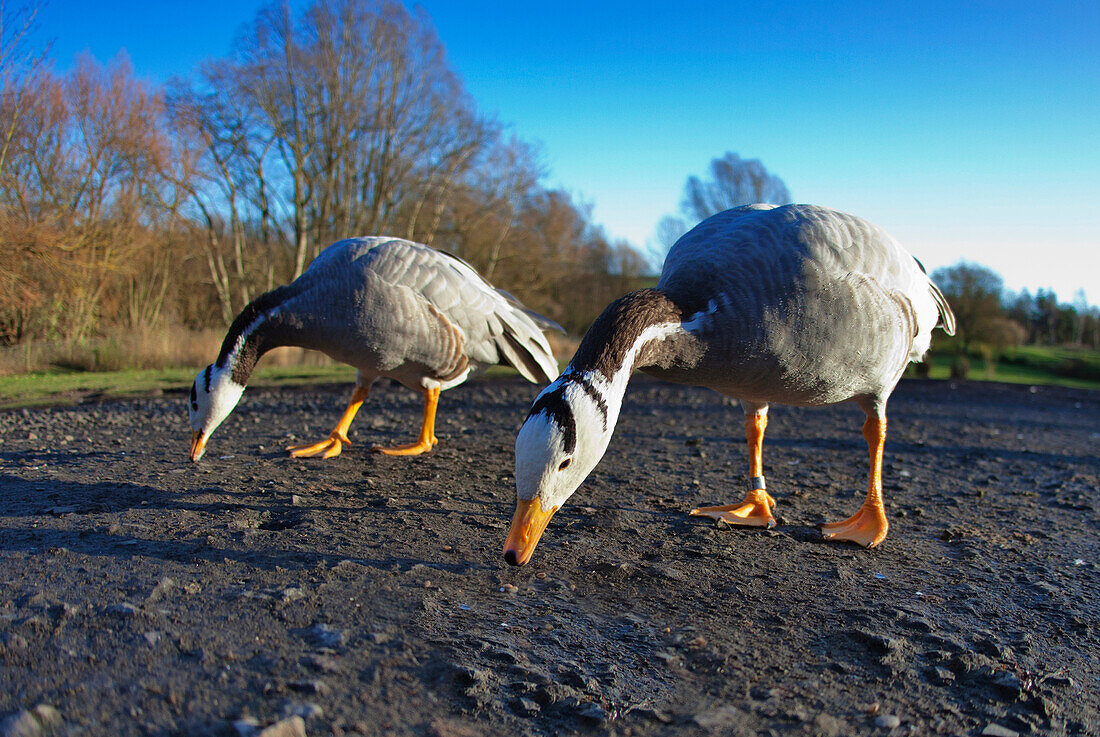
{"x": 1023, "y": 365}
{"x": 71, "y": 387}
{"x": 1029, "y": 365}
{"x": 59, "y": 388}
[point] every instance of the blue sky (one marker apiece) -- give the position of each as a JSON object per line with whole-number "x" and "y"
{"x": 970, "y": 130}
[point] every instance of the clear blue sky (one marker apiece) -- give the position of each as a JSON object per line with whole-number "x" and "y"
{"x": 970, "y": 130}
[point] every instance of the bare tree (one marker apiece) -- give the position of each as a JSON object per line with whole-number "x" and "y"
{"x": 733, "y": 182}
{"x": 19, "y": 65}
{"x": 84, "y": 190}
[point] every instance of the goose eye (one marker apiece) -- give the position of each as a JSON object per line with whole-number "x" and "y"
{"x": 565, "y": 464}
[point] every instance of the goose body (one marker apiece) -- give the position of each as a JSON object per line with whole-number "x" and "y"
{"x": 390, "y": 308}
{"x": 797, "y": 304}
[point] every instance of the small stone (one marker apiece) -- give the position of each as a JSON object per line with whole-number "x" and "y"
{"x": 887, "y": 721}
{"x": 593, "y": 712}
{"x": 20, "y": 724}
{"x": 304, "y": 711}
{"x": 293, "y": 726}
{"x": 31, "y": 722}
{"x": 509, "y": 588}
{"x": 163, "y": 587}
{"x": 1008, "y": 681}
{"x": 246, "y": 726}
{"x": 325, "y": 635}
{"x": 48, "y": 715}
{"x": 125, "y": 609}
{"x": 996, "y": 730}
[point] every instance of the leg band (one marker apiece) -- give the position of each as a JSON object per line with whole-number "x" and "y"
{"x": 756, "y": 482}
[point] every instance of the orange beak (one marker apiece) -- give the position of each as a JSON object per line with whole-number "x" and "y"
{"x": 528, "y": 523}
{"x": 198, "y": 445}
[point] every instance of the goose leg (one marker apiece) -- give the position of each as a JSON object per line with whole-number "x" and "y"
{"x": 427, "y": 429}
{"x": 331, "y": 446}
{"x": 756, "y": 509}
{"x": 868, "y": 526}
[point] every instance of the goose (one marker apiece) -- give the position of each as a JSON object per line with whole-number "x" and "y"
{"x": 390, "y": 308}
{"x": 799, "y": 305}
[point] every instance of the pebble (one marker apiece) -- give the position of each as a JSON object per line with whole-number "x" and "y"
{"x": 302, "y": 711}
{"x": 887, "y": 721}
{"x": 325, "y": 635}
{"x": 125, "y": 609}
{"x": 996, "y": 730}
{"x": 294, "y": 726}
{"x": 31, "y": 722}
{"x": 509, "y": 588}
{"x": 163, "y": 587}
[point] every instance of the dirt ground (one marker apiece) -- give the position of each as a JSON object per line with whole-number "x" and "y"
{"x": 141, "y": 594}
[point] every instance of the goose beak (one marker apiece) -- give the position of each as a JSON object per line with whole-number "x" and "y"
{"x": 198, "y": 445}
{"x": 528, "y": 523}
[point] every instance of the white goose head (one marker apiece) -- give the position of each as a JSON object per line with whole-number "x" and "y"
{"x": 571, "y": 422}
{"x": 561, "y": 441}
{"x": 213, "y": 396}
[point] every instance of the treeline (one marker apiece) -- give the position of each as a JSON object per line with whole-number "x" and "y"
{"x": 129, "y": 206}
{"x": 991, "y": 319}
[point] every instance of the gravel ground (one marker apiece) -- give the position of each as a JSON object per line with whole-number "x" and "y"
{"x": 252, "y": 593}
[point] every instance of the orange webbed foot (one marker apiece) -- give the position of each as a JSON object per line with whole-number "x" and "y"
{"x": 754, "y": 511}
{"x": 409, "y": 449}
{"x": 330, "y": 447}
{"x": 867, "y": 527}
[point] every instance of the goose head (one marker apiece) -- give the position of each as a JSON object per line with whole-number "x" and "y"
{"x": 213, "y": 396}
{"x": 563, "y": 438}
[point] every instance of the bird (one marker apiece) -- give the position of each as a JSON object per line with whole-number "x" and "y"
{"x": 390, "y": 308}
{"x": 796, "y": 304}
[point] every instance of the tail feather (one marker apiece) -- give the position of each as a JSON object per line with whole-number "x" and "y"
{"x": 947, "y": 316}
{"x": 523, "y": 346}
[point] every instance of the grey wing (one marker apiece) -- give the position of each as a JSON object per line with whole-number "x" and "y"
{"x": 446, "y": 291}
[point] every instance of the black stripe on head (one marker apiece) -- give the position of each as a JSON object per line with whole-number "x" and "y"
{"x": 553, "y": 405}
{"x": 194, "y": 399}
{"x": 585, "y": 383}
{"x": 206, "y": 379}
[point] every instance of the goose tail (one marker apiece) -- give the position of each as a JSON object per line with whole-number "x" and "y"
{"x": 947, "y": 317}
{"x": 523, "y": 346}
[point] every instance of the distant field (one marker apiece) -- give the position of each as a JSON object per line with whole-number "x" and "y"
{"x": 1027, "y": 365}
{"x": 72, "y": 387}
{"x": 1079, "y": 369}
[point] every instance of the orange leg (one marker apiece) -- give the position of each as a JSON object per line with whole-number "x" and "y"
{"x": 868, "y": 526}
{"x": 756, "y": 509}
{"x": 427, "y": 430}
{"x": 338, "y": 438}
